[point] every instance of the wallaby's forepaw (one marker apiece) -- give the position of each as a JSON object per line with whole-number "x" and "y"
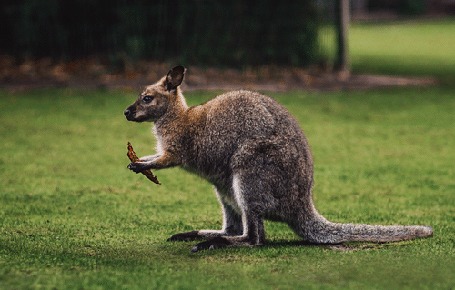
{"x": 185, "y": 237}
{"x": 138, "y": 167}
{"x": 215, "y": 243}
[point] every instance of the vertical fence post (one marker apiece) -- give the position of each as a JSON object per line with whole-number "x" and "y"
{"x": 342, "y": 26}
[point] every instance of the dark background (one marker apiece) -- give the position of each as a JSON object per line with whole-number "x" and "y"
{"x": 207, "y": 32}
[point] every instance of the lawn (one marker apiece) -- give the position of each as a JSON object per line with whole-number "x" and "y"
{"x": 73, "y": 217}
{"x": 421, "y": 48}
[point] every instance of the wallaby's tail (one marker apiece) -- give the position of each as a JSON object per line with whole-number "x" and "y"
{"x": 321, "y": 231}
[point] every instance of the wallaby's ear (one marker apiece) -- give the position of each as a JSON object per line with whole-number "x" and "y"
{"x": 174, "y": 77}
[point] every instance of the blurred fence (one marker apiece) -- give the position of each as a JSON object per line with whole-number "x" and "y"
{"x": 233, "y": 33}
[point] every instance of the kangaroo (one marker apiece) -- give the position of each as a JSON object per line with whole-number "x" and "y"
{"x": 257, "y": 157}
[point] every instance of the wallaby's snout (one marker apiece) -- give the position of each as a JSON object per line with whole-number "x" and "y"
{"x": 129, "y": 113}
{"x": 139, "y": 111}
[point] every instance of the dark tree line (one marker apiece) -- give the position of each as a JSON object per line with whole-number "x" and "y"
{"x": 234, "y": 32}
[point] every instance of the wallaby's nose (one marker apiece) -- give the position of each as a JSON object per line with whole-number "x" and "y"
{"x": 127, "y": 113}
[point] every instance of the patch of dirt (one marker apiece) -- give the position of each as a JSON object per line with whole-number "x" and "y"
{"x": 93, "y": 73}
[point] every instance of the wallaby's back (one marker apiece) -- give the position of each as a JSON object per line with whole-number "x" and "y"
{"x": 240, "y": 120}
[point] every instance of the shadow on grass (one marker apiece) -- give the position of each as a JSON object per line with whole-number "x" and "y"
{"x": 293, "y": 244}
{"x": 352, "y": 246}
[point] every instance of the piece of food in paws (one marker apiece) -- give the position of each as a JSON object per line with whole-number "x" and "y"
{"x": 133, "y": 158}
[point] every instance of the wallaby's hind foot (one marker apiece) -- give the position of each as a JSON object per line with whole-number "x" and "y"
{"x": 215, "y": 243}
{"x": 186, "y": 237}
{"x": 216, "y": 240}
{"x": 201, "y": 235}
{"x": 227, "y": 241}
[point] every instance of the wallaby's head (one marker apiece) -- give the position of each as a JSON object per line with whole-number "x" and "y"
{"x": 158, "y": 99}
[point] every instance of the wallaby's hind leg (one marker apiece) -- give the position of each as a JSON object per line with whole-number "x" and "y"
{"x": 253, "y": 225}
{"x": 232, "y": 223}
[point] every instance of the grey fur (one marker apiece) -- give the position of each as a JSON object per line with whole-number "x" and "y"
{"x": 258, "y": 158}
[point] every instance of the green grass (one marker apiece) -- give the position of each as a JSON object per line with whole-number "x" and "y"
{"x": 420, "y": 48}
{"x": 73, "y": 217}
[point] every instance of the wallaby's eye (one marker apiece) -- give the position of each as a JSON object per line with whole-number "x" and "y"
{"x": 147, "y": 99}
